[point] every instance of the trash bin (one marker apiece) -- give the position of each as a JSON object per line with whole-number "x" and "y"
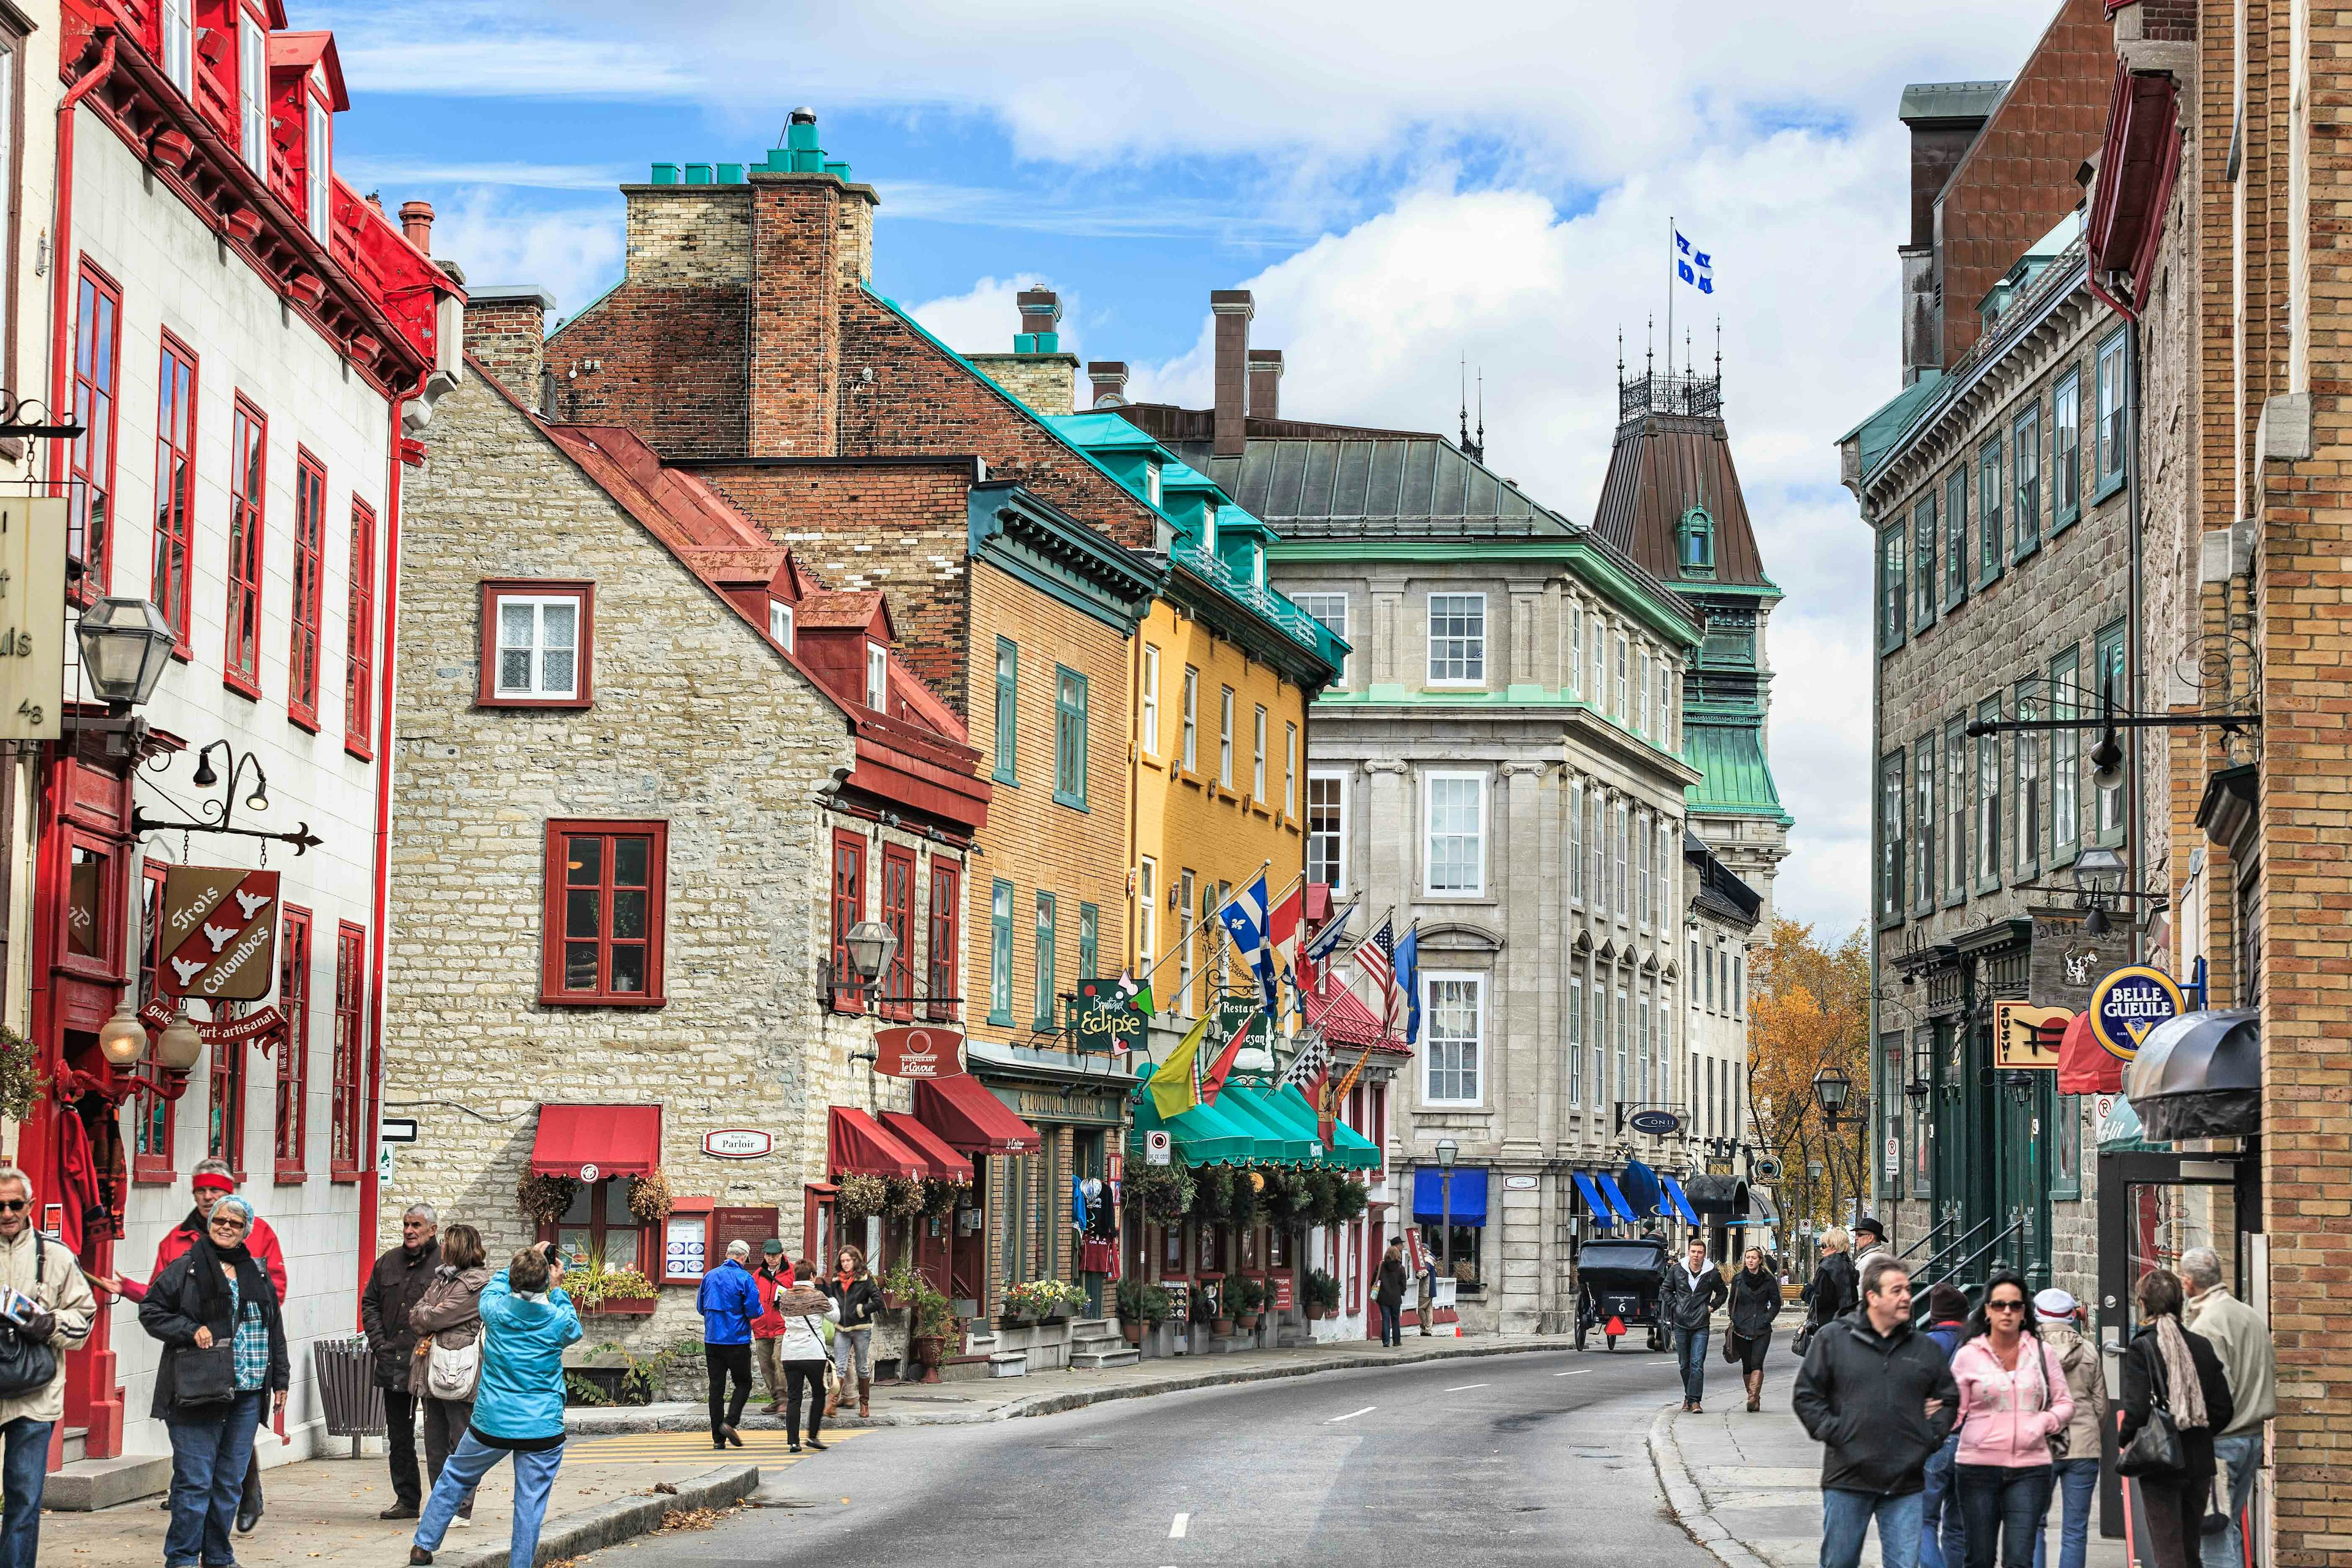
{"x": 345, "y": 1371}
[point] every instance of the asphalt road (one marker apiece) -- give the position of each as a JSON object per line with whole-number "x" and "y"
{"x": 1512, "y": 1460}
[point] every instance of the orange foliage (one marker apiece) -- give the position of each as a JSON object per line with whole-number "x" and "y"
{"x": 1810, "y": 1010}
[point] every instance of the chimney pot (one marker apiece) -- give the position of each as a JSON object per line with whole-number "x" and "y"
{"x": 1041, "y": 319}
{"x": 1265, "y": 384}
{"x": 417, "y": 223}
{"x": 1232, "y": 309}
{"x": 1109, "y": 378}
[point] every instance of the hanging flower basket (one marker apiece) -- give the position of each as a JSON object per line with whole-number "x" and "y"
{"x": 863, "y": 1196}
{"x": 649, "y": 1199}
{"x": 544, "y": 1198}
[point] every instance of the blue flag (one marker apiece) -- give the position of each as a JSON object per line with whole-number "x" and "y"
{"x": 1244, "y": 917}
{"x": 1408, "y": 979}
{"x": 1693, "y": 265}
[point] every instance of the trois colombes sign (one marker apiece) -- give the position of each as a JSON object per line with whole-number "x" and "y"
{"x": 32, "y": 616}
{"x": 220, "y": 933}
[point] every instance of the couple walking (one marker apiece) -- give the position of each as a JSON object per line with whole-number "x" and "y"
{"x": 784, "y": 1311}
{"x": 1693, "y": 1291}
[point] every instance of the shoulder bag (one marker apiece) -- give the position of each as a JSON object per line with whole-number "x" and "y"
{"x": 2155, "y": 1450}
{"x": 452, "y": 1373}
{"x": 26, "y": 1365}
{"x": 832, "y": 1373}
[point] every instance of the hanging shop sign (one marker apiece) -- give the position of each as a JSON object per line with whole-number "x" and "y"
{"x": 2129, "y": 1002}
{"x": 737, "y": 1143}
{"x": 219, "y": 927}
{"x": 1767, "y": 1168}
{"x": 267, "y": 1025}
{"x": 2066, "y": 963}
{"x": 32, "y": 616}
{"x": 1103, "y": 1020}
{"x": 2026, "y": 1036}
{"x": 917, "y": 1052}
{"x": 1656, "y": 1124}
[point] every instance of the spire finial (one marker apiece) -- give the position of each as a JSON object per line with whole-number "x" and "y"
{"x": 1718, "y": 352}
{"x": 1482, "y": 414}
{"x": 1621, "y": 356}
{"x": 1686, "y": 350}
{"x": 1463, "y": 370}
{"x": 1649, "y": 349}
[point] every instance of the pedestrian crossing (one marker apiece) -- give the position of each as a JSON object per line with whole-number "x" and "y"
{"x": 767, "y": 1449}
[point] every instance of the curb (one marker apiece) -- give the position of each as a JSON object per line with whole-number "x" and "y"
{"x": 621, "y": 1519}
{"x": 1687, "y": 1504}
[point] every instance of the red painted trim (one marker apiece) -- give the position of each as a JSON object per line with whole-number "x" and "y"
{"x": 61, "y": 294}
{"x": 899, "y": 914}
{"x": 848, "y": 895}
{"x": 303, "y": 634}
{"x": 97, "y": 473}
{"x": 176, "y": 456}
{"x": 294, "y": 1048}
{"x": 552, "y": 993}
{"x": 346, "y": 1051}
{"x": 359, "y": 642}
{"x": 248, "y": 492}
{"x": 584, "y": 646}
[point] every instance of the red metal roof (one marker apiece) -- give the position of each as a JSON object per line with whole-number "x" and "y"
{"x": 945, "y": 1164}
{"x": 964, "y": 1114}
{"x": 300, "y": 51}
{"x": 1340, "y": 1014}
{"x": 831, "y": 609}
{"x": 857, "y": 1144}
{"x": 618, "y": 1140}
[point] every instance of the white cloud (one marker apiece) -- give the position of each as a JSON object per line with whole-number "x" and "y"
{"x": 983, "y": 318}
{"x": 573, "y": 253}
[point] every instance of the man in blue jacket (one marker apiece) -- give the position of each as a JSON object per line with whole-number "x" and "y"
{"x": 527, "y": 1321}
{"x": 729, "y": 1301}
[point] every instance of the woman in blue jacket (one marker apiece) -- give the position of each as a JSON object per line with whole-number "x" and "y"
{"x": 527, "y": 1321}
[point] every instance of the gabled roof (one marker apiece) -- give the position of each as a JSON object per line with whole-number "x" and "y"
{"x": 828, "y": 609}
{"x": 698, "y": 524}
{"x": 300, "y": 51}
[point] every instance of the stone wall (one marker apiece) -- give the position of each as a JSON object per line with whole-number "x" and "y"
{"x": 1046, "y": 383}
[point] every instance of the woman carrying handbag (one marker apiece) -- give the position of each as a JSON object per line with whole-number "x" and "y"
{"x": 217, "y": 1315}
{"x": 807, "y": 1365}
{"x": 448, "y": 1365}
{"x": 2175, "y": 1398}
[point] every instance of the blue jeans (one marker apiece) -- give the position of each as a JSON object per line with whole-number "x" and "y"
{"x": 534, "y": 1478}
{"x": 1690, "y": 1359}
{"x": 1846, "y": 1516}
{"x": 1942, "y": 1537}
{"x": 210, "y": 1451}
{"x": 27, "y": 1469}
{"x": 2004, "y": 1508}
{"x": 2078, "y": 1489}
{"x": 2237, "y": 1459}
{"x": 1392, "y": 1322}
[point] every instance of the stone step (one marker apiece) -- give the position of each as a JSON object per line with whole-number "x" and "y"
{"x": 1091, "y": 1360}
{"x": 77, "y": 1444}
{"x": 85, "y": 1486}
{"x": 1008, "y": 1363}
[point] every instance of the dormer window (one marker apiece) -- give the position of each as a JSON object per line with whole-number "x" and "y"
{"x": 179, "y": 30}
{"x": 1257, "y": 565}
{"x": 317, "y": 154}
{"x": 1209, "y": 526}
{"x": 1151, "y": 483}
{"x": 253, "y": 94}
{"x": 1697, "y": 542}
{"x": 878, "y": 677}
{"x": 780, "y": 622}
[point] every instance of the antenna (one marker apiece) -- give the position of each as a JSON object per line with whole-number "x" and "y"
{"x": 1482, "y": 411}
{"x": 1621, "y": 356}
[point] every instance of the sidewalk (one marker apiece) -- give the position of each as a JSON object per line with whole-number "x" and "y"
{"x": 1748, "y": 1488}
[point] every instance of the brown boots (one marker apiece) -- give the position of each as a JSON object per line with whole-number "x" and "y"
{"x": 865, "y": 1394}
{"x": 1756, "y": 1390}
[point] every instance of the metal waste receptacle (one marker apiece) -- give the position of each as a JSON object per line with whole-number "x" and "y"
{"x": 353, "y": 1405}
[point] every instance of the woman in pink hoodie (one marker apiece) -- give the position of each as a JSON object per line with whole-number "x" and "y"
{"x": 2013, "y": 1403}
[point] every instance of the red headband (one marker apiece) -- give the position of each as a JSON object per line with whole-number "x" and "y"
{"x": 214, "y": 1181}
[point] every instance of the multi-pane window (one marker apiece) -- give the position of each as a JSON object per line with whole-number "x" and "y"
{"x": 1668, "y": 838}
{"x": 224, "y": 1116}
{"x": 1957, "y": 804}
{"x": 1597, "y": 837}
{"x": 1892, "y": 598}
{"x": 177, "y": 23}
{"x": 317, "y": 161}
{"x": 2065, "y": 754}
{"x": 897, "y": 988}
{"x": 1623, "y": 1015}
{"x": 1457, "y": 639}
{"x": 1923, "y": 561}
{"x": 1599, "y": 638}
{"x": 603, "y": 917}
{"x": 1069, "y": 737}
{"x": 999, "y": 954}
{"x": 849, "y": 849}
{"x": 540, "y": 653}
{"x": 1192, "y": 719}
{"x": 1620, "y": 710}
{"x": 1987, "y": 823}
{"x": 176, "y": 484}
{"x": 1331, "y": 611}
{"x": 1290, "y": 772}
{"x": 1184, "y": 884}
{"x": 1890, "y": 835}
{"x": 345, "y": 1074}
{"x": 1956, "y": 536}
{"x": 1642, "y": 1043}
{"x": 1456, "y": 834}
{"x": 249, "y": 450}
{"x": 1576, "y": 840}
{"x": 294, "y": 1053}
{"x": 945, "y": 946}
{"x": 1618, "y": 889}
{"x": 2112, "y": 453}
{"x": 359, "y": 639}
{"x": 150, "y": 1150}
{"x": 1576, "y": 1039}
{"x": 1326, "y": 830}
{"x": 1089, "y": 936}
{"x": 2025, "y": 471}
{"x": 309, "y": 570}
{"x": 2065, "y": 451}
{"x": 253, "y": 94}
{"x": 1041, "y": 997}
{"x": 1453, "y": 1026}
{"x": 1922, "y": 824}
{"x": 1574, "y": 661}
{"x": 1642, "y": 868}
{"x": 599, "y": 1223}
{"x": 2027, "y": 817}
{"x": 2111, "y": 687}
{"x": 877, "y": 678}
{"x": 1989, "y": 505}
{"x": 1146, "y": 914}
{"x": 97, "y": 363}
{"x": 1008, "y": 699}
{"x": 1257, "y": 757}
{"x": 1150, "y": 701}
{"x": 780, "y": 622}
{"x": 1642, "y": 693}
{"x": 1225, "y": 737}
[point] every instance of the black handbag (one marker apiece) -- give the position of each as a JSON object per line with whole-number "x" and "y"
{"x": 204, "y": 1375}
{"x": 26, "y": 1365}
{"x": 2154, "y": 1449}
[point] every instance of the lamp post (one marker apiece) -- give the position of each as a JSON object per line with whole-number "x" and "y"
{"x": 1446, "y": 1150}
{"x": 1831, "y": 1089}
{"x": 125, "y": 645}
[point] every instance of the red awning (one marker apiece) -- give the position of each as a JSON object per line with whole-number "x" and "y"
{"x": 966, "y": 1115}
{"x": 945, "y": 1164}
{"x": 856, "y": 1143}
{"x": 2084, "y": 1066}
{"x": 618, "y": 1140}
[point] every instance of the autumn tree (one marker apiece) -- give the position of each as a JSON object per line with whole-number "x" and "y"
{"x": 1809, "y": 1010}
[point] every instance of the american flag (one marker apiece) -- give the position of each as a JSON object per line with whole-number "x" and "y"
{"x": 1376, "y": 957}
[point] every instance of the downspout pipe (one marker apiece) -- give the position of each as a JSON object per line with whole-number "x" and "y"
{"x": 61, "y": 272}
{"x": 2133, "y": 791}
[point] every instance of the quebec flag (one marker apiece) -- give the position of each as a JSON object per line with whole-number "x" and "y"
{"x": 1695, "y": 268}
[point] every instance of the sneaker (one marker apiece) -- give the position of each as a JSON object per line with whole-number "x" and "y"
{"x": 461, "y": 1523}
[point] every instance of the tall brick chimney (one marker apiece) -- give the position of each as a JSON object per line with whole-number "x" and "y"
{"x": 506, "y": 332}
{"x": 1233, "y": 308}
{"x": 417, "y": 223}
{"x": 811, "y": 243}
{"x": 1265, "y": 384}
{"x": 1110, "y": 376}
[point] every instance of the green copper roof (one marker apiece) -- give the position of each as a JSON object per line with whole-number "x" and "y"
{"x": 1101, "y": 432}
{"x": 1879, "y": 432}
{"x": 1738, "y": 780}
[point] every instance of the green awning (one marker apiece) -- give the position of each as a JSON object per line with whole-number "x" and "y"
{"x": 1204, "y": 1135}
{"x": 1288, "y": 1108}
{"x": 1279, "y": 1138}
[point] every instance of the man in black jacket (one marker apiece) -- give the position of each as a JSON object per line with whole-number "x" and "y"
{"x": 1694, "y": 1290}
{"x": 1880, "y": 1399}
{"x": 395, "y": 1285}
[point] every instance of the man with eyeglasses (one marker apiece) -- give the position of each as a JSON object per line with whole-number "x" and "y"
{"x": 53, "y": 1313}
{"x": 394, "y": 1287}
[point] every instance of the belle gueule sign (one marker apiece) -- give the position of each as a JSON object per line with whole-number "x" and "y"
{"x": 220, "y": 933}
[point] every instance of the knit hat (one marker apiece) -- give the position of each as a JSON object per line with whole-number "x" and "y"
{"x": 2055, "y": 1306}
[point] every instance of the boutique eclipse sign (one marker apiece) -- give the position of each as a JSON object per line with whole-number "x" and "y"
{"x": 2129, "y": 1002}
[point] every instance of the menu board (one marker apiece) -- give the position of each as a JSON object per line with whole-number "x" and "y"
{"x": 686, "y": 1247}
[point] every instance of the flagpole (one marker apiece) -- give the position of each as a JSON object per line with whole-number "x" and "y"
{"x": 1207, "y": 921}
{"x": 1672, "y": 262}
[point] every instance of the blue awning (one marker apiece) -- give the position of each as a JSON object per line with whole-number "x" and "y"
{"x": 1466, "y": 1202}
{"x": 1617, "y": 1198}
{"x": 1594, "y": 1204}
{"x": 1676, "y": 1201}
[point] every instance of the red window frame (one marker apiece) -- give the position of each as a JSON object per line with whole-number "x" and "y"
{"x": 225, "y": 1112}
{"x": 97, "y": 376}
{"x": 899, "y": 914}
{"x": 848, "y": 909}
{"x": 486, "y": 692}
{"x": 350, "y": 1043}
{"x": 309, "y": 567}
{"x": 553, "y": 992}
{"x": 292, "y": 1120}
{"x": 946, "y": 921}
{"x": 151, "y": 1115}
{"x": 175, "y": 485}
{"x": 359, "y": 656}
{"x": 249, "y": 480}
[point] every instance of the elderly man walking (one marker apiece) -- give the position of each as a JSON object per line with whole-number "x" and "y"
{"x": 395, "y": 1285}
{"x": 2242, "y": 1340}
{"x": 730, "y": 1300}
{"x": 33, "y": 1347}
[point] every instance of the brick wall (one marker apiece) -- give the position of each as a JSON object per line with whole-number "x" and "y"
{"x": 1046, "y": 383}
{"x": 505, "y": 336}
{"x": 812, "y": 244}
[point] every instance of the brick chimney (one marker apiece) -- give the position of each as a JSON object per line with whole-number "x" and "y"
{"x": 506, "y": 332}
{"x": 1110, "y": 376}
{"x": 812, "y": 242}
{"x": 1233, "y": 308}
{"x": 417, "y": 223}
{"x": 1265, "y": 384}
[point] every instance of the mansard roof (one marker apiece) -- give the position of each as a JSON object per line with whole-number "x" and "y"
{"x": 1673, "y": 453}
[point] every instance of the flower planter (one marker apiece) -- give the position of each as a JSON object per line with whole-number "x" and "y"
{"x": 893, "y": 1303}
{"x": 1057, "y": 1312}
{"x": 1132, "y": 1333}
{"x": 1329, "y": 1315}
{"x": 621, "y": 1307}
{"x": 1222, "y": 1325}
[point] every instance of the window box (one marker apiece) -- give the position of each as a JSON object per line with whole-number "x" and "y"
{"x": 538, "y": 643}
{"x": 621, "y": 1307}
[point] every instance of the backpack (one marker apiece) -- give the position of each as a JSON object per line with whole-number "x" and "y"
{"x": 452, "y": 1374}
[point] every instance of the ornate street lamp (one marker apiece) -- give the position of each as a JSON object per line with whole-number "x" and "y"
{"x": 122, "y": 1038}
{"x": 125, "y": 645}
{"x": 1832, "y": 1088}
{"x": 1446, "y": 1150}
{"x": 2099, "y": 875}
{"x": 871, "y": 945}
{"x": 179, "y": 1047}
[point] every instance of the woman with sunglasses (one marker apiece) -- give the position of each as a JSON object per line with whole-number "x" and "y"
{"x": 2013, "y": 1398}
{"x": 224, "y": 1338}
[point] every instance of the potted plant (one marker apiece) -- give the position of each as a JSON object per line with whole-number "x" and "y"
{"x": 1141, "y": 1305}
{"x": 1246, "y": 1296}
{"x": 1322, "y": 1294}
{"x": 901, "y": 1285}
{"x": 1203, "y": 1310}
{"x": 932, "y": 1323}
{"x": 598, "y": 1290}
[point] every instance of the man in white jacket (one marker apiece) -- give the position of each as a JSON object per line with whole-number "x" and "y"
{"x": 2242, "y": 1341}
{"x": 58, "y": 1317}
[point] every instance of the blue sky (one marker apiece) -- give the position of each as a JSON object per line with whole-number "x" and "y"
{"x": 1399, "y": 192}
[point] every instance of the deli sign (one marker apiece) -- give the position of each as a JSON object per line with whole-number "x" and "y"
{"x": 917, "y": 1052}
{"x": 219, "y": 933}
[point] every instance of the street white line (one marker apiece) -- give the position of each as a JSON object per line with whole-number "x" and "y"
{"x": 1176, "y": 1531}
{"x": 1580, "y": 1371}
{"x": 1352, "y": 1414}
{"x": 1460, "y": 1386}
